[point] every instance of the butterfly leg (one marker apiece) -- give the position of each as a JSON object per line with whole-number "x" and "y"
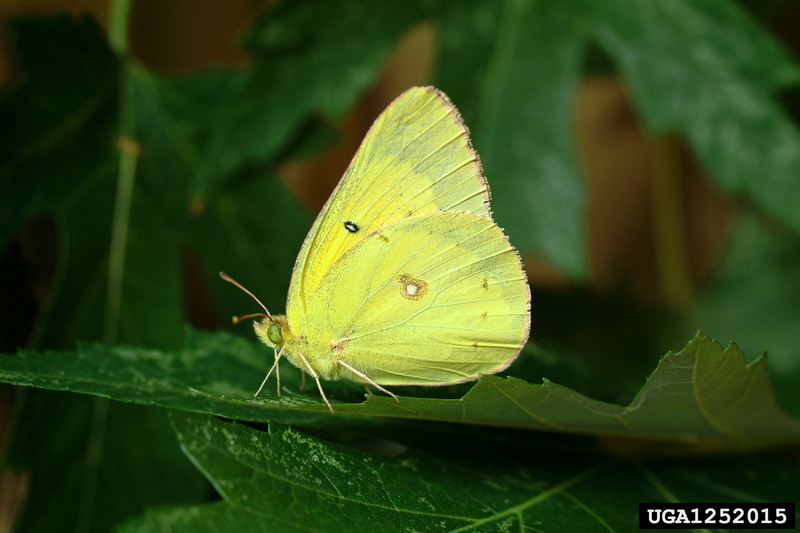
{"x": 278, "y": 368}
{"x": 303, "y": 381}
{"x": 316, "y": 378}
{"x": 365, "y": 378}
{"x": 274, "y": 366}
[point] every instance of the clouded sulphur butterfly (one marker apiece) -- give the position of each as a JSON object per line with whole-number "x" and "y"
{"x": 404, "y": 278}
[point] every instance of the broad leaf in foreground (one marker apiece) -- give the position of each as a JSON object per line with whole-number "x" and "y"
{"x": 704, "y": 396}
{"x": 71, "y": 492}
{"x": 289, "y": 480}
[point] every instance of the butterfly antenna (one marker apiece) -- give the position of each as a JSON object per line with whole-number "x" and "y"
{"x": 229, "y": 279}
{"x": 242, "y": 318}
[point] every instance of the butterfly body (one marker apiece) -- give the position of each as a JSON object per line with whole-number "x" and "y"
{"x": 404, "y": 278}
{"x": 323, "y": 359}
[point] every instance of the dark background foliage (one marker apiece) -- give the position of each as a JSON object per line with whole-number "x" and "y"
{"x": 643, "y": 157}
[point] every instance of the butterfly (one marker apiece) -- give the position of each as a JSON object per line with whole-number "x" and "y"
{"x": 404, "y": 278}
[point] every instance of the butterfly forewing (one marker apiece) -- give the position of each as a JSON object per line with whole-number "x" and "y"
{"x": 416, "y": 159}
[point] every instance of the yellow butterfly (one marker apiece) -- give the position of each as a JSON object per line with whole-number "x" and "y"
{"x": 404, "y": 278}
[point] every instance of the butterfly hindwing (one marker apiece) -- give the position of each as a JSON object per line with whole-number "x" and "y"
{"x": 431, "y": 299}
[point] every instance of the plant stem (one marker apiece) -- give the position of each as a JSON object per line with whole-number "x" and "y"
{"x": 118, "y": 26}
{"x": 126, "y": 177}
{"x": 128, "y": 157}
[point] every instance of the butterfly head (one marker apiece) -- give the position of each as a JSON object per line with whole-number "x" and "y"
{"x": 272, "y": 330}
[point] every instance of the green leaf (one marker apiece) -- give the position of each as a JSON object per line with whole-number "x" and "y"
{"x": 523, "y": 119}
{"x": 703, "y": 397}
{"x": 753, "y": 296}
{"x": 702, "y": 69}
{"x": 75, "y": 486}
{"x": 205, "y": 196}
{"x": 254, "y": 229}
{"x": 311, "y": 57}
{"x": 59, "y": 159}
{"x": 291, "y": 481}
{"x": 513, "y": 68}
{"x": 706, "y": 70}
{"x": 55, "y": 116}
{"x": 61, "y": 163}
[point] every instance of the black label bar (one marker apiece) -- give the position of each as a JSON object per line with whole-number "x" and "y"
{"x": 717, "y": 515}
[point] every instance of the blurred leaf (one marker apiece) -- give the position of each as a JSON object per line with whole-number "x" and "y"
{"x": 703, "y": 396}
{"x": 310, "y": 57}
{"x": 56, "y": 116}
{"x": 288, "y": 480}
{"x": 540, "y": 157}
{"x": 57, "y": 160}
{"x": 706, "y": 70}
{"x": 209, "y": 131}
{"x": 64, "y": 165}
{"x": 512, "y": 68}
{"x": 193, "y": 131}
{"x": 699, "y": 68}
{"x": 522, "y": 119}
{"x": 254, "y": 228}
{"x": 753, "y": 297}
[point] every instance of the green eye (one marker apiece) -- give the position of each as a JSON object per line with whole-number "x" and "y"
{"x": 275, "y": 334}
